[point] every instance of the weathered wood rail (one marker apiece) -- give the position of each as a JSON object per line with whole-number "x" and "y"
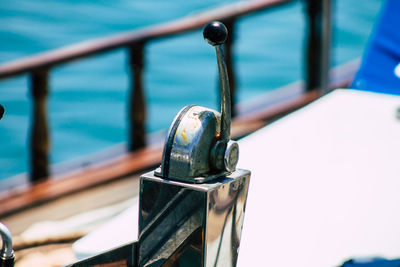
{"x": 39, "y": 66}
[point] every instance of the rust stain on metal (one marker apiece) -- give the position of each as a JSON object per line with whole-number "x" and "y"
{"x": 184, "y": 136}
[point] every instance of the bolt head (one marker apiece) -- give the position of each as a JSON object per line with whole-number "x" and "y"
{"x": 231, "y": 156}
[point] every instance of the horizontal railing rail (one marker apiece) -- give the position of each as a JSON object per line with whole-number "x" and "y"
{"x": 100, "y": 45}
{"x": 40, "y": 65}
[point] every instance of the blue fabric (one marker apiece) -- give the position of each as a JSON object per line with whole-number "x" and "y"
{"x": 382, "y": 55}
{"x": 371, "y": 262}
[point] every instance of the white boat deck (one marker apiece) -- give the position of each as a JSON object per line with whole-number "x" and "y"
{"x": 325, "y": 183}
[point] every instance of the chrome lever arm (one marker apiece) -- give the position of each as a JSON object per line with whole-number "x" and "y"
{"x": 226, "y": 152}
{"x": 215, "y": 33}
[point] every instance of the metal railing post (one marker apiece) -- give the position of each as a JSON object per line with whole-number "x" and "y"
{"x": 39, "y": 134}
{"x": 318, "y": 44}
{"x": 137, "y": 105}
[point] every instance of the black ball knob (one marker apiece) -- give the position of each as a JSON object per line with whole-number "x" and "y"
{"x": 215, "y": 33}
{"x": 1, "y": 111}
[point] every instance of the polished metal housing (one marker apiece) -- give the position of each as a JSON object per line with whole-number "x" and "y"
{"x": 191, "y": 224}
{"x": 188, "y": 145}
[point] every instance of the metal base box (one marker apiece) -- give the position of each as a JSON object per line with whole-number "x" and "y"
{"x": 183, "y": 224}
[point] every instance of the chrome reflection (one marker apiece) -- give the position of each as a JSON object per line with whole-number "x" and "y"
{"x": 184, "y": 224}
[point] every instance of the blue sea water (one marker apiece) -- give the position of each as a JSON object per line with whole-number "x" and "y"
{"x": 87, "y": 101}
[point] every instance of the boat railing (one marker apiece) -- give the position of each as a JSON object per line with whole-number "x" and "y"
{"x": 40, "y": 66}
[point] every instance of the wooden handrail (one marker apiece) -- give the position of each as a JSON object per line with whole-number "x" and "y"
{"x": 100, "y": 45}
